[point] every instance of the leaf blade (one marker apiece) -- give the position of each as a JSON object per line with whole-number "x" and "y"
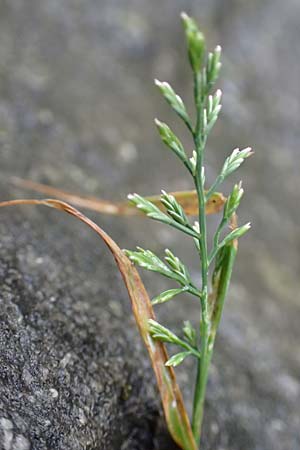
{"x": 177, "y": 359}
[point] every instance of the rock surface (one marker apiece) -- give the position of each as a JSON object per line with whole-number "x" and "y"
{"x": 76, "y": 107}
{"x": 72, "y": 371}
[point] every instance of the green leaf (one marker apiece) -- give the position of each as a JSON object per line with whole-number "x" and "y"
{"x": 167, "y": 295}
{"x": 193, "y": 162}
{"x": 162, "y": 333}
{"x": 190, "y": 333}
{"x": 195, "y": 42}
{"x": 173, "y": 99}
{"x": 212, "y": 111}
{"x": 220, "y": 284}
{"x": 170, "y": 139}
{"x": 235, "y": 234}
{"x": 177, "y": 359}
{"x": 155, "y": 213}
{"x": 177, "y": 266}
{"x": 148, "y": 260}
{"x": 144, "y": 205}
{"x": 213, "y": 66}
{"x": 233, "y": 201}
{"x": 149, "y": 208}
{"x": 234, "y": 161}
{"x": 174, "y": 209}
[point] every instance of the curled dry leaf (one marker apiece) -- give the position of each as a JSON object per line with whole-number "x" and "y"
{"x": 174, "y": 409}
{"x": 187, "y": 199}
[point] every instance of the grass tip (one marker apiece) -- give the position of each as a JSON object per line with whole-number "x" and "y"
{"x": 184, "y": 15}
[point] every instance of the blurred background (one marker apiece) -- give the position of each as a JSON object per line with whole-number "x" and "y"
{"x": 77, "y": 104}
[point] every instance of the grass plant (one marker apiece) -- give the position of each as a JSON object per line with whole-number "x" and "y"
{"x": 216, "y": 258}
{"x": 197, "y": 343}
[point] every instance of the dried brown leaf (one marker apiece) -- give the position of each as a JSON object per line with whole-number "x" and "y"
{"x": 174, "y": 409}
{"x": 187, "y": 199}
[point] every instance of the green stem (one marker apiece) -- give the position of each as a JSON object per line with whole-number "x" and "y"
{"x": 214, "y": 187}
{"x": 199, "y": 397}
{"x": 193, "y": 290}
{"x": 185, "y": 161}
{"x": 189, "y": 125}
{"x": 188, "y": 347}
{"x": 203, "y": 363}
{"x": 222, "y": 276}
{"x": 216, "y": 245}
{"x": 178, "y": 226}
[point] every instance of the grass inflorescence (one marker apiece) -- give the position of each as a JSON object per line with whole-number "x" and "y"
{"x": 215, "y": 259}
